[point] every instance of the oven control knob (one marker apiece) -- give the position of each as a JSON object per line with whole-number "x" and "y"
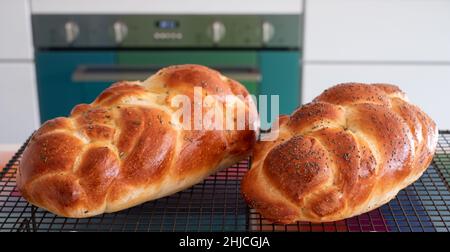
{"x": 120, "y": 31}
{"x": 72, "y": 31}
{"x": 267, "y": 32}
{"x": 217, "y": 31}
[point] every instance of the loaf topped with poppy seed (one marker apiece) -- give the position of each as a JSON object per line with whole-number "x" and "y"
{"x": 123, "y": 149}
{"x": 349, "y": 151}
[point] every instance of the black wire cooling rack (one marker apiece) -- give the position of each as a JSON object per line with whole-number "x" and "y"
{"x": 217, "y": 205}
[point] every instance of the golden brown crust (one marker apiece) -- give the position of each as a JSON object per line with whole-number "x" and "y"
{"x": 391, "y": 137}
{"x": 297, "y": 166}
{"x": 192, "y": 156}
{"x": 262, "y": 197}
{"x": 122, "y": 149}
{"x": 49, "y": 153}
{"x": 314, "y": 116}
{"x": 98, "y": 168}
{"x": 353, "y": 93}
{"x": 343, "y": 150}
{"x": 349, "y": 151}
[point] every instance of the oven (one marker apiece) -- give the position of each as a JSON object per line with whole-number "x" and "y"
{"x": 78, "y": 56}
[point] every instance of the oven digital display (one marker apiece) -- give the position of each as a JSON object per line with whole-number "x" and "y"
{"x": 167, "y": 24}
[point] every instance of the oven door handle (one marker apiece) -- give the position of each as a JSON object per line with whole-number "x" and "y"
{"x": 111, "y": 73}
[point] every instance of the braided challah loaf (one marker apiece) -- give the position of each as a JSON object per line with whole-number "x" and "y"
{"x": 123, "y": 149}
{"x": 349, "y": 151}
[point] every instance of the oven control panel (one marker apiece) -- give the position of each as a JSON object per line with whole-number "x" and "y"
{"x": 149, "y": 31}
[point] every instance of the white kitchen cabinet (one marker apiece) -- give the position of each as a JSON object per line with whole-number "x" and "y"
{"x": 404, "y": 42}
{"x": 377, "y": 30}
{"x": 428, "y": 86}
{"x": 166, "y": 6}
{"x": 18, "y": 102}
{"x": 15, "y": 30}
{"x": 18, "y": 97}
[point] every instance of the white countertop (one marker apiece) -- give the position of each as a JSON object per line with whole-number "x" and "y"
{"x": 166, "y": 6}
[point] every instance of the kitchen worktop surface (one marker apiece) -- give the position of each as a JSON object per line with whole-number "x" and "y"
{"x": 6, "y": 153}
{"x": 5, "y": 156}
